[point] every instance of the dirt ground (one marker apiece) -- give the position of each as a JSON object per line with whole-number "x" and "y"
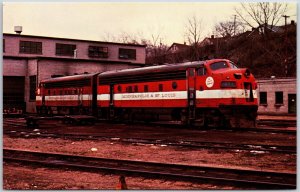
{"x": 24, "y": 177}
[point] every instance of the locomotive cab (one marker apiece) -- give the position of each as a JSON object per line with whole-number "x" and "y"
{"x": 226, "y": 95}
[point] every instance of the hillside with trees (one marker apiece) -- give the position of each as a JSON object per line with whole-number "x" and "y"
{"x": 265, "y": 48}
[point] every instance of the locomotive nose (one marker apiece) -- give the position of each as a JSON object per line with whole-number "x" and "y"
{"x": 246, "y": 72}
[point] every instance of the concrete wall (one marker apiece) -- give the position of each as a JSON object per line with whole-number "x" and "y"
{"x": 14, "y": 67}
{"x": 287, "y": 86}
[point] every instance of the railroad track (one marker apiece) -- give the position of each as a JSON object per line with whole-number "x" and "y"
{"x": 188, "y": 144}
{"x": 14, "y": 123}
{"x": 22, "y": 123}
{"x": 248, "y": 178}
{"x": 185, "y": 144}
{"x": 277, "y": 123}
{"x": 262, "y": 128}
{"x": 25, "y": 132}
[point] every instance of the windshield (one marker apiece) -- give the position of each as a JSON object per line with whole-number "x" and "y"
{"x": 219, "y": 65}
{"x": 233, "y": 66}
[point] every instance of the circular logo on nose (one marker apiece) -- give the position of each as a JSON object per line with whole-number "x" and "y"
{"x": 209, "y": 82}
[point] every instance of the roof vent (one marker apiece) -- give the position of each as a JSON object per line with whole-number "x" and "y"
{"x": 18, "y": 29}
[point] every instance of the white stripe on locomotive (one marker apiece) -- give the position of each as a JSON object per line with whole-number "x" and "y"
{"x": 225, "y": 94}
{"x": 85, "y": 97}
{"x": 205, "y": 94}
{"x": 145, "y": 96}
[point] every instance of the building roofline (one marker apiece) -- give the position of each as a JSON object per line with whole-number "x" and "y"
{"x": 68, "y": 39}
{"x": 72, "y": 59}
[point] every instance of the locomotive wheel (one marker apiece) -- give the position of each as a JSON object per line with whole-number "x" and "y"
{"x": 43, "y": 110}
{"x": 184, "y": 118}
{"x": 131, "y": 118}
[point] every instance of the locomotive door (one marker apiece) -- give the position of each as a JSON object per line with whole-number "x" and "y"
{"x": 111, "y": 101}
{"x": 191, "y": 93}
{"x": 80, "y": 97}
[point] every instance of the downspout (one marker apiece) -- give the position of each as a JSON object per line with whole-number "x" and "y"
{"x": 37, "y": 73}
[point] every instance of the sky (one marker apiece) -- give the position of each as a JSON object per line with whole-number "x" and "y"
{"x": 106, "y": 21}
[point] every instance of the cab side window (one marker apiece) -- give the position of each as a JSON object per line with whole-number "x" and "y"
{"x": 201, "y": 71}
{"x": 191, "y": 72}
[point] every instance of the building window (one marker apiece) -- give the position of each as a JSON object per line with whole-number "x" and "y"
{"x": 127, "y": 53}
{"x": 30, "y": 47}
{"x": 65, "y": 49}
{"x": 98, "y": 52}
{"x": 32, "y": 84}
{"x": 263, "y": 98}
{"x": 3, "y": 45}
{"x": 279, "y": 97}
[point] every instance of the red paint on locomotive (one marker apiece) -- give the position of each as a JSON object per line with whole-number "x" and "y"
{"x": 213, "y": 92}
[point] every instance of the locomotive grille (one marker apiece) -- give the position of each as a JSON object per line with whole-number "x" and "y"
{"x": 74, "y": 83}
{"x": 143, "y": 78}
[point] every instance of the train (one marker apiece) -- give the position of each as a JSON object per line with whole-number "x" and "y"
{"x": 203, "y": 93}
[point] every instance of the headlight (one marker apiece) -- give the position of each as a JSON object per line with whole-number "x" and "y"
{"x": 237, "y": 75}
{"x": 228, "y": 84}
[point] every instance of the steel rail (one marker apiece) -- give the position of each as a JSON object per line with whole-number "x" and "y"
{"x": 249, "y": 178}
{"x": 179, "y": 126}
{"x": 186, "y": 144}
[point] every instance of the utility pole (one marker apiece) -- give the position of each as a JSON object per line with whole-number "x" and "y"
{"x": 285, "y": 18}
{"x": 285, "y": 43}
{"x": 234, "y": 24}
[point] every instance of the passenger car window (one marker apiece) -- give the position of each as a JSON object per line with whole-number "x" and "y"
{"x": 160, "y": 87}
{"x": 174, "y": 85}
{"x": 129, "y": 89}
{"x": 218, "y": 65}
{"x": 119, "y": 88}
{"x": 145, "y": 88}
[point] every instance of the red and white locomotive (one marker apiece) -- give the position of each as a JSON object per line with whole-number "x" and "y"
{"x": 213, "y": 92}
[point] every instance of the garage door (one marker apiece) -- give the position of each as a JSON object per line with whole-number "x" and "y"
{"x": 13, "y": 92}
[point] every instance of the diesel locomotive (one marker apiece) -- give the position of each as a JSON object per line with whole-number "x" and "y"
{"x": 204, "y": 93}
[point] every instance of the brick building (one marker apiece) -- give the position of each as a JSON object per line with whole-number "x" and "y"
{"x": 277, "y": 96}
{"x": 29, "y": 59}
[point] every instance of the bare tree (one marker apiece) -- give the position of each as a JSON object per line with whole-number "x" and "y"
{"x": 229, "y": 28}
{"x": 109, "y": 37}
{"x": 193, "y": 34}
{"x": 156, "y": 48}
{"x": 261, "y": 13}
